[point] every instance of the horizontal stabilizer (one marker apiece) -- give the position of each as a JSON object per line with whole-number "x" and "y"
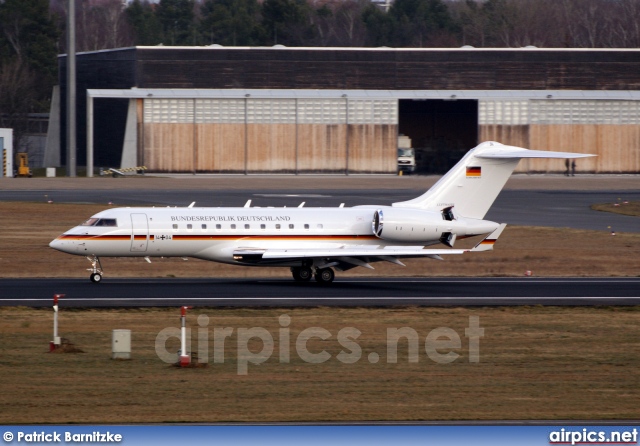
{"x": 516, "y": 153}
{"x": 487, "y": 243}
{"x": 473, "y": 184}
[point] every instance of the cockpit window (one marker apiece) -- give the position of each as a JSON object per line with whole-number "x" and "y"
{"x": 107, "y": 222}
{"x": 100, "y": 222}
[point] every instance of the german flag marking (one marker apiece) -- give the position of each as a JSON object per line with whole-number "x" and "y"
{"x": 474, "y": 172}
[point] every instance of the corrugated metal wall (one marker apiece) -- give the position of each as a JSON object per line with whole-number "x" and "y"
{"x": 378, "y": 69}
{"x": 269, "y": 135}
{"x": 609, "y": 129}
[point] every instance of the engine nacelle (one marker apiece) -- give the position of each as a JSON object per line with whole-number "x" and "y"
{"x": 404, "y": 225}
{"x": 407, "y": 225}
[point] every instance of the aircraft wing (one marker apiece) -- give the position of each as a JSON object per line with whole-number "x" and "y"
{"x": 361, "y": 255}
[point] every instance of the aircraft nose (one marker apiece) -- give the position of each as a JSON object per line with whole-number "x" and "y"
{"x": 57, "y": 244}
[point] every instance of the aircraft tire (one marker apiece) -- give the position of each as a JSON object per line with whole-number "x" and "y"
{"x": 325, "y": 275}
{"x": 95, "y": 277}
{"x": 301, "y": 274}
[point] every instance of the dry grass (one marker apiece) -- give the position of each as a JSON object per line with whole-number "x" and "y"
{"x": 622, "y": 207}
{"x": 27, "y": 229}
{"x": 535, "y": 363}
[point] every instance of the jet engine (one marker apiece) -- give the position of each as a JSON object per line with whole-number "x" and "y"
{"x": 405, "y": 225}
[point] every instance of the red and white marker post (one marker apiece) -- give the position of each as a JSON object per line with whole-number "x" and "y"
{"x": 56, "y": 339}
{"x": 185, "y": 358}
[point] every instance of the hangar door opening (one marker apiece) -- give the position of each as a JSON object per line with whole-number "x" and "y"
{"x": 441, "y": 131}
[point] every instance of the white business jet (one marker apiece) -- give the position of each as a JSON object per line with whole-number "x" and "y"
{"x": 313, "y": 241}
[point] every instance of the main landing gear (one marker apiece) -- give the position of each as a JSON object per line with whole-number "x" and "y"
{"x": 96, "y": 269}
{"x": 304, "y": 273}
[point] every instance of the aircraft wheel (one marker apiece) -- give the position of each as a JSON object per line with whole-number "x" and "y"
{"x": 325, "y": 275}
{"x": 301, "y": 274}
{"x": 95, "y": 277}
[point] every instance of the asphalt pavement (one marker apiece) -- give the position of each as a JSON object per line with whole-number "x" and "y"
{"x": 348, "y": 292}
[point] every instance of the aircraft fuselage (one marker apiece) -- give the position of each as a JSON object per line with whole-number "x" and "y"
{"x": 215, "y": 233}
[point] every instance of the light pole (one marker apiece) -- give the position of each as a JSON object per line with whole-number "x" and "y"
{"x": 71, "y": 89}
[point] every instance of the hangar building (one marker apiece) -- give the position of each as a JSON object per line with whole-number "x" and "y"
{"x": 340, "y": 110}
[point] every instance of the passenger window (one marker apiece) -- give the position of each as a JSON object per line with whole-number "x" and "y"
{"x": 189, "y": 226}
{"x": 233, "y": 226}
{"x": 247, "y": 226}
{"x": 218, "y": 226}
{"x": 306, "y": 226}
{"x": 204, "y": 227}
{"x": 290, "y": 225}
{"x": 278, "y": 226}
{"x": 263, "y": 226}
{"x": 175, "y": 226}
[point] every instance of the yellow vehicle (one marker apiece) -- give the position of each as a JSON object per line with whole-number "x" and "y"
{"x": 23, "y": 165}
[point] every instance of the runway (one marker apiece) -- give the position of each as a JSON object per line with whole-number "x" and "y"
{"x": 347, "y": 292}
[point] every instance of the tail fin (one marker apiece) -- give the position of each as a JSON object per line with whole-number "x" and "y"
{"x": 473, "y": 184}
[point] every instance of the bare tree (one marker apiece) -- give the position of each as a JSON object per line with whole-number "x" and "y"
{"x": 534, "y": 22}
{"x": 625, "y": 24}
{"x": 350, "y": 28}
{"x": 100, "y": 24}
{"x": 586, "y": 22}
{"x": 549, "y": 23}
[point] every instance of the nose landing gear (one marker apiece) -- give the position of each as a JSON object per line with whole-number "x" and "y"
{"x": 96, "y": 269}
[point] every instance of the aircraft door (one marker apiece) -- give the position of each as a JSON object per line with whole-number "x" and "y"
{"x": 139, "y": 232}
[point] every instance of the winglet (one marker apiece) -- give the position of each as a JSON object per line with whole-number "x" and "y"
{"x": 487, "y": 243}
